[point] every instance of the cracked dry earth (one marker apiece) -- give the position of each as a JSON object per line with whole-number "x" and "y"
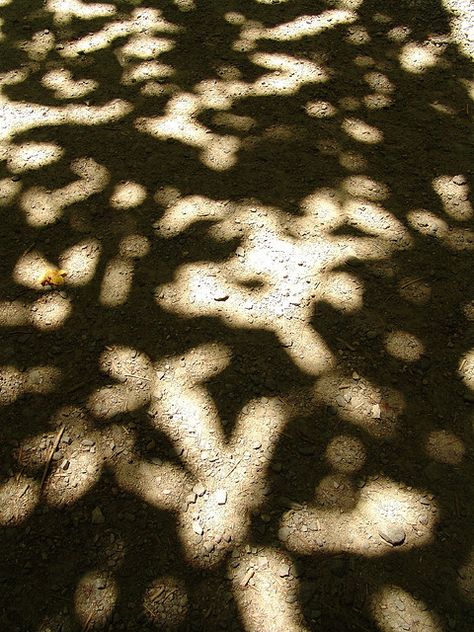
{"x": 237, "y": 350}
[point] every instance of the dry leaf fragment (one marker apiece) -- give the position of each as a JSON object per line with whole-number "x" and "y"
{"x": 53, "y": 277}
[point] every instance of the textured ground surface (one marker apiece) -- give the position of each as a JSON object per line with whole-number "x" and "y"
{"x": 247, "y": 402}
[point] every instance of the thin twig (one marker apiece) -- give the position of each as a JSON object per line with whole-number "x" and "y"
{"x": 50, "y": 456}
{"x": 138, "y": 377}
{"x": 233, "y": 468}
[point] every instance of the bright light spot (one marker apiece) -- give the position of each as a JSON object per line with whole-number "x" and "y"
{"x": 165, "y": 600}
{"x": 64, "y": 86}
{"x": 374, "y": 219}
{"x": 128, "y": 195}
{"x": 445, "y": 447}
{"x": 357, "y": 35}
{"x": 142, "y": 46}
{"x": 320, "y": 109}
{"x": 95, "y": 597}
{"x": 43, "y": 207}
{"x": 398, "y": 33}
{"x": 416, "y": 58}
{"x": 307, "y": 26}
{"x": 40, "y": 44}
{"x": 379, "y": 82}
{"x": 365, "y": 187}
{"x": 81, "y": 261}
{"x": 234, "y": 18}
{"x": 404, "y": 346}
{"x": 18, "y": 498}
{"x": 50, "y": 311}
{"x": 454, "y": 193}
{"x": 322, "y": 210}
{"x": 134, "y": 246}
{"x": 466, "y": 369}
{"x": 42, "y": 379}
{"x": 116, "y": 282}
{"x": 185, "y": 5}
{"x": 427, "y": 223}
{"x": 30, "y": 156}
{"x": 65, "y": 10}
{"x": 268, "y": 604}
{"x": 344, "y": 292}
{"x": 288, "y": 76}
{"x": 346, "y": 454}
{"x": 361, "y": 404}
{"x": 11, "y": 384}
{"x": 361, "y": 131}
{"x": 392, "y": 607}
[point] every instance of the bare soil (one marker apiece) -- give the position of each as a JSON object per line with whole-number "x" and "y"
{"x": 236, "y": 312}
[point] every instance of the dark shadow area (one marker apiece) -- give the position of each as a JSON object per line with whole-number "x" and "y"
{"x": 110, "y": 356}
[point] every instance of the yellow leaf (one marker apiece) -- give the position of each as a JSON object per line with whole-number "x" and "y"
{"x": 52, "y": 277}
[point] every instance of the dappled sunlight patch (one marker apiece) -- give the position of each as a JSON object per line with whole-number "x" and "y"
{"x": 30, "y": 156}
{"x": 38, "y": 379}
{"x": 11, "y": 382}
{"x": 50, "y": 311}
{"x": 43, "y": 207}
{"x": 30, "y": 268}
{"x": 466, "y": 365}
{"x": 19, "y": 496}
{"x": 81, "y": 261}
{"x": 266, "y": 604}
{"x": 361, "y": 403}
{"x": 306, "y": 26}
{"x": 375, "y": 220}
{"x": 122, "y": 362}
{"x": 454, "y": 194}
{"x": 116, "y": 282}
{"x": 322, "y": 210}
{"x": 429, "y": 224}
{"x": 95, "y": 597}
{"x": 344, "y": 292}
{"x": 378, "y": 507}
{"x": 404, "y": 346}
{"x": 127, "y": 195}
{"x": 142, "y": 46}
{"x": 364, "y": 187}
{"x": 357, "y": 35}
{"x": 417, "y": 58}
{"x": 65, "y": 10}
{"x": 74, "y": 477}
{"x": 361, "y": 131}
{"x": 320, "y": 109}
{"x": 395, "y": 609}
{"x": 181, "y": 214}
{"x": 61, "y": 82}
{"x": 166, "y": 601}
{"x": 443, "y": 446}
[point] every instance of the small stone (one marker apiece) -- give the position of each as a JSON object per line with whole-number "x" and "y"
{"x": 191, "y": 498}
{"x": 284, "y": 570}
{"x": 100, "y": 583}
{"x": 257, "y": 445}
{"x": 57, "y": 456}
{"x": 97, "y": 516}
{"x": 197, "y": 528}
{"x": 393, "y": 535}
{"x": 199, "y": 489}
{"x": 88, "y": 442}
{"x": 290, "y": 599}
{"x": 221, "y": 496}
{"x": 65, "y": 464}
{"x": 423, "y": 520}
{"x": 222, "y": 296}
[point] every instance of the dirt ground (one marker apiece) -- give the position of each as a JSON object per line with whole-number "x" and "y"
{"x": 236, "y": 312}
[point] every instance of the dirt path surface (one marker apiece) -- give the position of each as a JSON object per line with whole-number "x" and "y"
{"x": 236, "y": 314}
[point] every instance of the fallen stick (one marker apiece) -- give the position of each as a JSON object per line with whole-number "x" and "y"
{"x": 50, "y": 456}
